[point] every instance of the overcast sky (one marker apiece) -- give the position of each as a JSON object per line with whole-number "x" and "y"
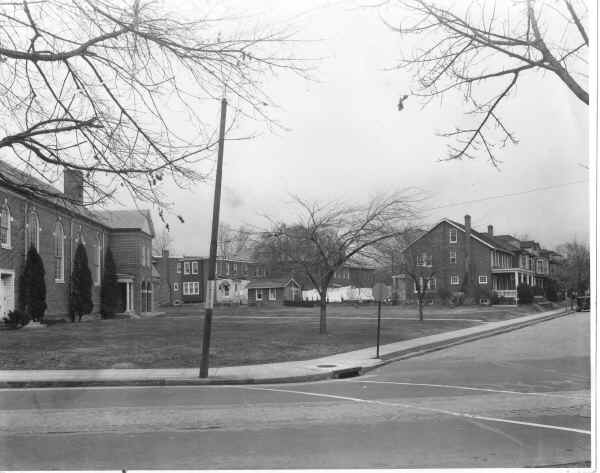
{"x": 345, "y": 139}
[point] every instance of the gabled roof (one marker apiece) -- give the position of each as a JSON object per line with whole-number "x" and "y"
{"x": 487, "y": 240}
{"x": 30, "y": 186}
{"x": 128, "y": 220}
{"x": 271, "y": 283}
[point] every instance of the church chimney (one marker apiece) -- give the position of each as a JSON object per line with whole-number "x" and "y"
{"x": 490, "y": 230}
{"x": 73, "y": 185}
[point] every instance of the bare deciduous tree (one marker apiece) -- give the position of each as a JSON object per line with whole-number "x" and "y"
{"x": 481, "y": 49}
{"x": 325, "y": 236}
{"x": 95, "y": 86}
{"x": 161, "y": 242}
{"x": 234, "y": 242}
{"x": 421, "y": 271}
{"x": 574, "y": 270}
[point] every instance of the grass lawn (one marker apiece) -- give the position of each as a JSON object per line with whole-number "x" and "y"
{"x": 241, "y": 335}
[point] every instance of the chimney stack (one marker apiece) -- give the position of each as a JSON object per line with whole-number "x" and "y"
{"x": 73, "y": 185}
{"x": 467, "y": 226}
{"x": 490, "y": 230}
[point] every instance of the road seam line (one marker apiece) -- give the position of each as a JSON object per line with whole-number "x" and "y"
{"x": 468, "y": 388}
{"x": 428, "y": 409}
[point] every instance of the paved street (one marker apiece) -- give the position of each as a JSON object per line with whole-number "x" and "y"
{"x": 517, "y": 399}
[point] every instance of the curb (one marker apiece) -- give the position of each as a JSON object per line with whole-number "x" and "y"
{"x": 334, "y": 374}
{"x": 424, "y": 349}
{"x": 173, "y": 381}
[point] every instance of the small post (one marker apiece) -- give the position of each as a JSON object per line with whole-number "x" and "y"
{"x": 378, "y": 326}
{"x": 212, "y": 260}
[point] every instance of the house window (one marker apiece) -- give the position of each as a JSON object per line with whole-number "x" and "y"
{"x": 431, "y": 284}
{"x": 235, "y": 268}
{"x": 194, "y": 267}
{"x": 186, "y": 267}
{"x": 176, "y": 286}
{"x": 424, "y": 260}
{"x": 178, "y": 268}
{"x": 33, "y": 231}
{"x": 452, "y": 255}
{"x": 98, "y": 260}
{"x": 453, "y": 235}
{"x": 5, "y": 226}
{"x": 259, "y": 294}
{"x": 143, "y": 255}
{"x": 454, "y": 280}
{"x": 540, "y": 266}
{"x": 59, "y": 253}
{"x": 191, "y": 288}
{"x": 483, "y": 279}
{"x": 272, "y": 294}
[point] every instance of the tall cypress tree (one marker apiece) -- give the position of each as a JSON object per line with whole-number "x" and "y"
{"x": 81, "y": 285}
{"x": 33, "y": 285}
{"x": 110, "y": 294}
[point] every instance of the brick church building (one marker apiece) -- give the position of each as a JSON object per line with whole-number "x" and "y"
{"x": 55, "y": 225}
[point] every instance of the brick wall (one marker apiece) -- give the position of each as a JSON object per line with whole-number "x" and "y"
{"x": 74, "y": 227}
{"x": 437, "y": 244}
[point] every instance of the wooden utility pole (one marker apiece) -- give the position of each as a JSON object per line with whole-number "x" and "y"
{"x": 211, "y": 283}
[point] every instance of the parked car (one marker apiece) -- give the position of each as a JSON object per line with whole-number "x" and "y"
{"x": 583, "y": 303}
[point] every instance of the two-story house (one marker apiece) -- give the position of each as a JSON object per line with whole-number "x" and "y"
{"x": 186, "y": 277}
{"x": 456, "y": 257}
{"x": 33, "y": 213}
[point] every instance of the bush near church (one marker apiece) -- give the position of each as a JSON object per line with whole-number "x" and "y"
{"x": 32, "y": 298}
{"x": 80, "y": 301}
{"x": 17, "y": 319}
{"x": 110, "y": 296}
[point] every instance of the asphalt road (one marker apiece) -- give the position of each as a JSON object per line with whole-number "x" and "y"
{"x": 517, "y": 399}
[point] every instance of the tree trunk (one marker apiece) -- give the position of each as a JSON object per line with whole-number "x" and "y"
{"x": 420, "y": 310}
{"x": 323, "y": 315}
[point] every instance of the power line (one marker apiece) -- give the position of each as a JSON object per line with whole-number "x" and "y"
{"x": 501, "y": 196}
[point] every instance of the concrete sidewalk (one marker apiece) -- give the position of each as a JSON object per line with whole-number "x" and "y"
{"x": 336, "y": 366}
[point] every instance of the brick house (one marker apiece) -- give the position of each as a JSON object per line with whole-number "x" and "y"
{"x": 55, "y": 223}
{"x": 131, "y": 233}
{"x": 452, "y": 255}
{"x": 185, "y": 279}
{"x": 354, "y": 274}
{"x": 274, "y": 291}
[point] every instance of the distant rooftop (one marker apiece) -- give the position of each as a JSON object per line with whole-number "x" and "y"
{"x": 127, "y": 220}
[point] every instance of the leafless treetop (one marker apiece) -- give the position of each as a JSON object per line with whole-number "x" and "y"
{"x": 482, "y": 48}
{"x": 95, "y": 85}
